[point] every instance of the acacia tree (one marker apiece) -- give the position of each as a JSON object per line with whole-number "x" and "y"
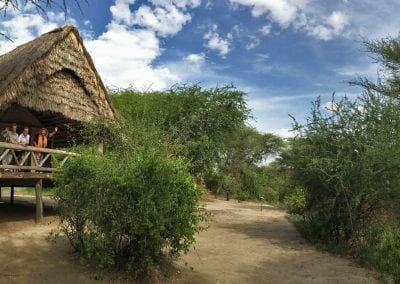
{"x": 245, "y": 149}
{"x": 386, "y": 52}
{"x": 347, "y": 161}
{"x": 194, "y": 122}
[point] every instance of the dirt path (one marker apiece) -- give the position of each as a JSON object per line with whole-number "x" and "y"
{"x": 25, "y": 254}
{"x": 247, "y": 245}
{"x": 242, "y": 245}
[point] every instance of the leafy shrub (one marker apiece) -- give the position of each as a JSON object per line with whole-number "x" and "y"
{"x": 380, "y": 250}
{"x": 229, "y": 186}
{"x": 347, "y": 157}
{"x": 195, "y": 121}
{"x": 128, "y": 211}
{"x": 387, "y": 253}
{"x": 213, "y": 182}
{"x": 296, "y": 200}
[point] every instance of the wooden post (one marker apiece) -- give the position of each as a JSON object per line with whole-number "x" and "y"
{"x": 0, "y": 193}
{"x": 39, "y": 202}
{"x": 12, "y": 195}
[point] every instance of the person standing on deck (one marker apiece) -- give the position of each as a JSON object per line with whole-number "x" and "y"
{"x": 23, "y": 140}
{"x": 10, "y": 136}
{"x": 41, "y": 140}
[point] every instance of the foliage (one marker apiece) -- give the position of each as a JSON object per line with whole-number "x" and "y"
{"x": 275, "y": 181}
{"x": 195, "y": 122}
{"x": 207, "y": 129}
{"x": 245, "y": 150}
{"x": 386, "y": 52}
{"x": 347, "y": 160}
{"x": 295, "y": 200}
{"x": 128, "y": 210}
{"x": 380, "y": 250}
{"x": 130, "y": 206}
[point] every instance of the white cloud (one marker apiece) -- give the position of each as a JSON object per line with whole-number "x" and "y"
{"x": 132, "y": 43}
{"x": 209, "y": 4}
{"x": 283, "y": 12}
{"x": 305, "y": 15}
{"x": 328, "y": 19}
{"x": 121, "y": 12}
{"x": 265, "y": 30}
{"x": 333, "y": 26}
{"x": 337, "y": 20}
{"x": 195, "y": 60}
{"x": 374, "y": 19}
{"x": 215, "y": 42}
{"x": 21, "y": 28}
{"x": 253, "y": 42}
{"x": 166, "y": 20}
{"x": 123, "y": 58}
{"x": 125, "y": 53}
{"x": 183, "y": 4}
{"x": 165, "y": 17}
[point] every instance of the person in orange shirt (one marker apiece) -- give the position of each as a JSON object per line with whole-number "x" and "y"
{"x": 42, "y": 139}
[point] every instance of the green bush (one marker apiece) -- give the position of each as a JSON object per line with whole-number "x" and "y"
{"x": 194, "y": 121}
{"x": 128, "y": 211}
{"x": 347, "y": 157}
{"x": 380, "y": 250}
{"x": 230, "y": 186}
{"x": 296, "y": 200}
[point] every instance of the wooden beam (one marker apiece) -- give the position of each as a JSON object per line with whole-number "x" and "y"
{"x": 39, "y": 202}
{"x": 12, "y": 195}
{"x": 25, "y": 183}
{"x": 35, "y": 149}
{"x": 4, "y": 154}
{"x": 25, "y": 175}
{"x": 14, "y": 167}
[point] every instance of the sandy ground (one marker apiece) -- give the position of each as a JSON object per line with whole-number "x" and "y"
{"x": 25, "y": 254}
{"x": 247, "y": 245}
{"x": 242, "y": 245}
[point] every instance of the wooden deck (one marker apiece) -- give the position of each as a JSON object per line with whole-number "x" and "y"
{"x": 34, "y": 169}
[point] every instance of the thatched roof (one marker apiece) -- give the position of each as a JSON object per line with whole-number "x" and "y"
{"x": 54, "y": 74}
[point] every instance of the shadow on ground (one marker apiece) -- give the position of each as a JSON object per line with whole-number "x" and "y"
{"x": 23, "y": 209}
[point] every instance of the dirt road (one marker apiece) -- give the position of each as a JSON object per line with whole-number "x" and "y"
{"x": 247, "y": 245}
{"x": 242, "y": 245}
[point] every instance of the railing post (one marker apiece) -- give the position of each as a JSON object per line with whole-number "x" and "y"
{"x": 39, "y": 202}
{"x": 32, "y": 163}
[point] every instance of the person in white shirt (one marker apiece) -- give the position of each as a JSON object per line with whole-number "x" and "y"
{"x": 23, "y": 140}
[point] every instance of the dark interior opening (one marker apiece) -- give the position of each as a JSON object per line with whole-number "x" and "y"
{"x": 68, "y": 130}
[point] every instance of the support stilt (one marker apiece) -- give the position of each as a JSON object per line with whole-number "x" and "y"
{"x": 39, "y": 202}
{"x": 12, "y": 195}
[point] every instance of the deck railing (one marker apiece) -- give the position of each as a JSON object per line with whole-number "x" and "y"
{"x": 54, "y": 159}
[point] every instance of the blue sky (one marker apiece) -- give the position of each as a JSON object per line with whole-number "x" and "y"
{"x": 282, "y": 53}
